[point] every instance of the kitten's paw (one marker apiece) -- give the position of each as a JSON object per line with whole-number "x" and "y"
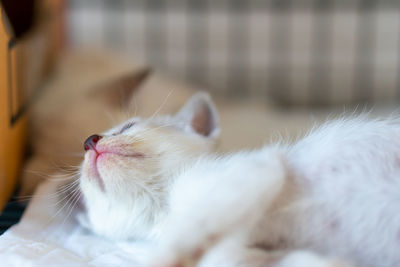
{"x": 185, "y": 251}
{"x": 309, "y": 259}
{"x": 177, "y": 257}
{"x": 172, "y": 259}
{"x": 164, "y": 262}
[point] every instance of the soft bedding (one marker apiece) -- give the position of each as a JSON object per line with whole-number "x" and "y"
{"x": 46, "y": 237}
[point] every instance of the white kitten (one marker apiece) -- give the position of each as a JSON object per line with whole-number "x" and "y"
{"x": 333, "y": 194}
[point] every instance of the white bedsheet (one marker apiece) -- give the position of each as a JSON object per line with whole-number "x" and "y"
{"x": 44, "y": 238}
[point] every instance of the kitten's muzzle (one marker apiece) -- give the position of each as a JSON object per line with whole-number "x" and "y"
{"x": 91, "y": 142}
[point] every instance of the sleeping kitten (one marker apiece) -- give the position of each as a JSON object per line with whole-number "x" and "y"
{"x": 335, "y": 194}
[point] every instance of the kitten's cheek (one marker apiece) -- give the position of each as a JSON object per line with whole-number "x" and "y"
{"x": 103, "y": 160}
{"x": 105, "y": 163}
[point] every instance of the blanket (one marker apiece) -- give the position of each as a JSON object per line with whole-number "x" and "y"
{"x": 50, "y": 236}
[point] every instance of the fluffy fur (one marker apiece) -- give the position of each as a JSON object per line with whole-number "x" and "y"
{"x": 332, "y": 195}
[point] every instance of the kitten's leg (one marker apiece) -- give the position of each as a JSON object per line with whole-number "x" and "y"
{"x": 228, "y": 254}
{"x": 300, "y": 258}
{"x": 211, "y": 204}
{"x": 232, "y": 254}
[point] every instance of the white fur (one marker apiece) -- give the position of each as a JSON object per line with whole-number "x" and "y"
{"x": 333, "y": 194}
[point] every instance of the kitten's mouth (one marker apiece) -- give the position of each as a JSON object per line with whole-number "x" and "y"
{"x": 101, "y": 153}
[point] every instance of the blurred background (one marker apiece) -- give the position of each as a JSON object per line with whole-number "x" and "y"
{"x": 308, "y": 52}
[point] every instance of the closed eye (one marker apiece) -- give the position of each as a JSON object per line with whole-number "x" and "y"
{"x": 126, "y": 127}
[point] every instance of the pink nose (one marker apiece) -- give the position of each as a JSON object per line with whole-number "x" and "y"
{"x": 91, "y": 142}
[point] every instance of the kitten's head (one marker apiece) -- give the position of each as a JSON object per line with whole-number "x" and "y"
{"x": 127, "y": 170}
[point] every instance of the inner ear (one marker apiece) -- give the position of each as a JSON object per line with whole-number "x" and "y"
{"x": 199, "y": 115}
{"x": 118, "y": 92}
{"x": 202, "y": 121}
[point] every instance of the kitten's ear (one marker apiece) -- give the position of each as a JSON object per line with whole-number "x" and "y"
{"x": 199, "y": 115}
{"x": 118, "y": 92}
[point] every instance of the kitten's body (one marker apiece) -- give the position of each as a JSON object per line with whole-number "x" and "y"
{"x": 336, "y": 193}
{"x": 348, "y": 177}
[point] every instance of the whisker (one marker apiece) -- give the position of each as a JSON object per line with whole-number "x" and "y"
{"x": 65, "y": 194}
{"x": 45, "y": 175}
{"x": 111, "y": 117}
{"x": 43, "y": 233}
{"x": 46, "y": 196}
{"x": 58, "y": 176}
{"x": 72, "y": 206}
{"x": 67, "y": 167}
{"x": 162, "y": 104}
{"x": 155, "y": 128}
{"x": 135, "y": 104}
{"x": 62, "y": 178}
{"x": 63, "y": 206}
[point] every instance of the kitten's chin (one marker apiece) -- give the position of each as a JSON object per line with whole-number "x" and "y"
{"x": 90, "y": 169}
{"x": 114, "y": 220}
